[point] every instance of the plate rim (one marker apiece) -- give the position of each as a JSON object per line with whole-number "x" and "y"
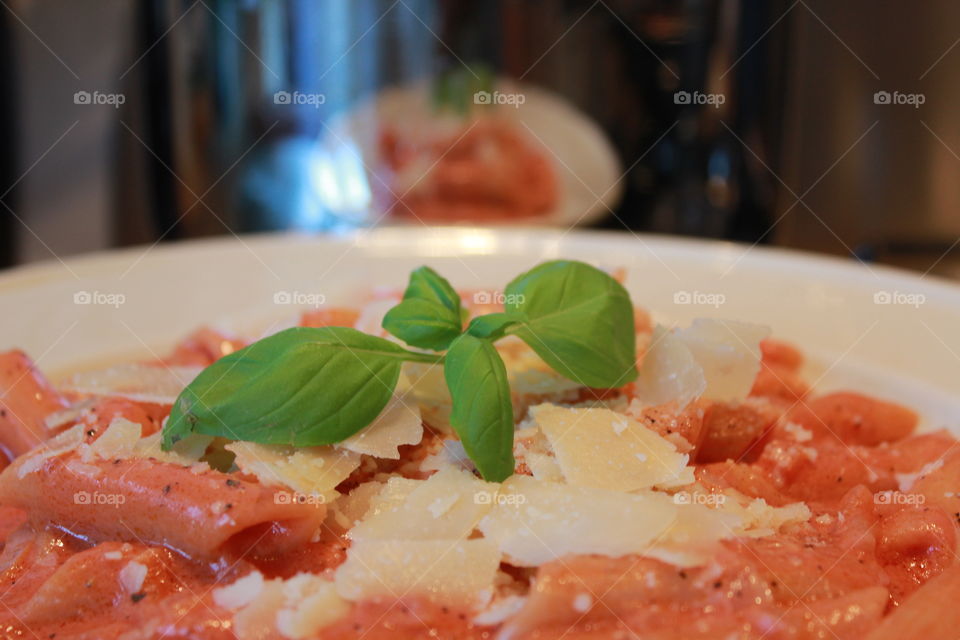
{"x": 23, "y": 276}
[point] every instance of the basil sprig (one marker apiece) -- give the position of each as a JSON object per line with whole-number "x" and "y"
{"x": 309, "y": 386}
{"x": 430, "y": 315}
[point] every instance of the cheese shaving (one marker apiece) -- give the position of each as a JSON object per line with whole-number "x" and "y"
{"x": 311, "y": 471}
{"x": 456, "y": 573}
{"x": 606, "y": 450}
{"x": 138, "y": 382}
{"x": 669, "y": 372}
{"x": 447, "y": 506}
{"x": 729, "y": 354}
{"x": 398, "y": 424}
{"x": 534, "y": 522}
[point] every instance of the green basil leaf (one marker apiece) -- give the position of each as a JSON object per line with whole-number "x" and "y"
{"x": 482, "y": 411}
{"x": 578, "y": 319}
{"x": 429, "y": 316}
{"x": 492, "y": 326}
{"x": 301, "y": 387}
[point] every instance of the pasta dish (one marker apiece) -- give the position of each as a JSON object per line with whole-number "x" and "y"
{"x": 543, "y": 462}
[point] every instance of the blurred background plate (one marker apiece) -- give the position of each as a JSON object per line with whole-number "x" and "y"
{"x": 589, "y": 173}
{"x": 879, "y": 330}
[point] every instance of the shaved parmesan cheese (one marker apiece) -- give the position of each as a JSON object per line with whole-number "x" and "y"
{"x": 447, "y": 506}
{"x": 532, "y": 448}
{"x": 704, "y": 518}
{"x": 139, "y": 382}
{"x": 312, "y": 471}
{"x": 606, "y": 450}
{"x": 450, "y": 454}
{"x": 428, "y": 388}
{"x": 528, "y": 374}
{"x": 121, "y": 440}
{"x": 241, "y": 593}
{"x": 311, "y": 603}
{"x": 534, "y": 522}
{"x": 349, "y": 509}
{"x": 760, "y": 519}
{"x": 132, "y": 576}
{"x": 58, "y": 445}
{"x": 542, "y": 382}
{"x": 118, "y": 440}
{"x": 187, "y": 451}
{"x": 258, "y": 619}
{"x": 669, "y": 372}
{"x": 297, "y": 608}
{"x": 713, "y": 359}
{"x": 452, "y": 572}
{"x": 398, "y": 424}
{"x": 392, "y": 495}
{"x": 729, "y": 353}
{"x": 693, "y": 537}
{"x": 499, "y": 610}
{"x": 73, "y": 413}
{"x": 544, "y": 467}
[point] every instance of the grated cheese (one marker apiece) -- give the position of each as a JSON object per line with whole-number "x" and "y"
{"x": 132, "y": 576}
{"x": 241, "y": 592}
{"x": 311, "y": 603}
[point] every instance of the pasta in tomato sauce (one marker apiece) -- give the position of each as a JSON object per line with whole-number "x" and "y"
{"x": 783, "y": 513}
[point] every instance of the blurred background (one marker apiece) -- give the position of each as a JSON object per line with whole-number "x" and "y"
{"x": 812, "y": 124}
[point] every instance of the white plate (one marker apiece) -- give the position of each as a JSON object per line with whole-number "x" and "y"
{"x": 825, "y": 305}
{"x": 589, "y": 172}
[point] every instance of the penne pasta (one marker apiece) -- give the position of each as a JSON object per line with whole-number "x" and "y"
{"x": 201, "y": 513}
